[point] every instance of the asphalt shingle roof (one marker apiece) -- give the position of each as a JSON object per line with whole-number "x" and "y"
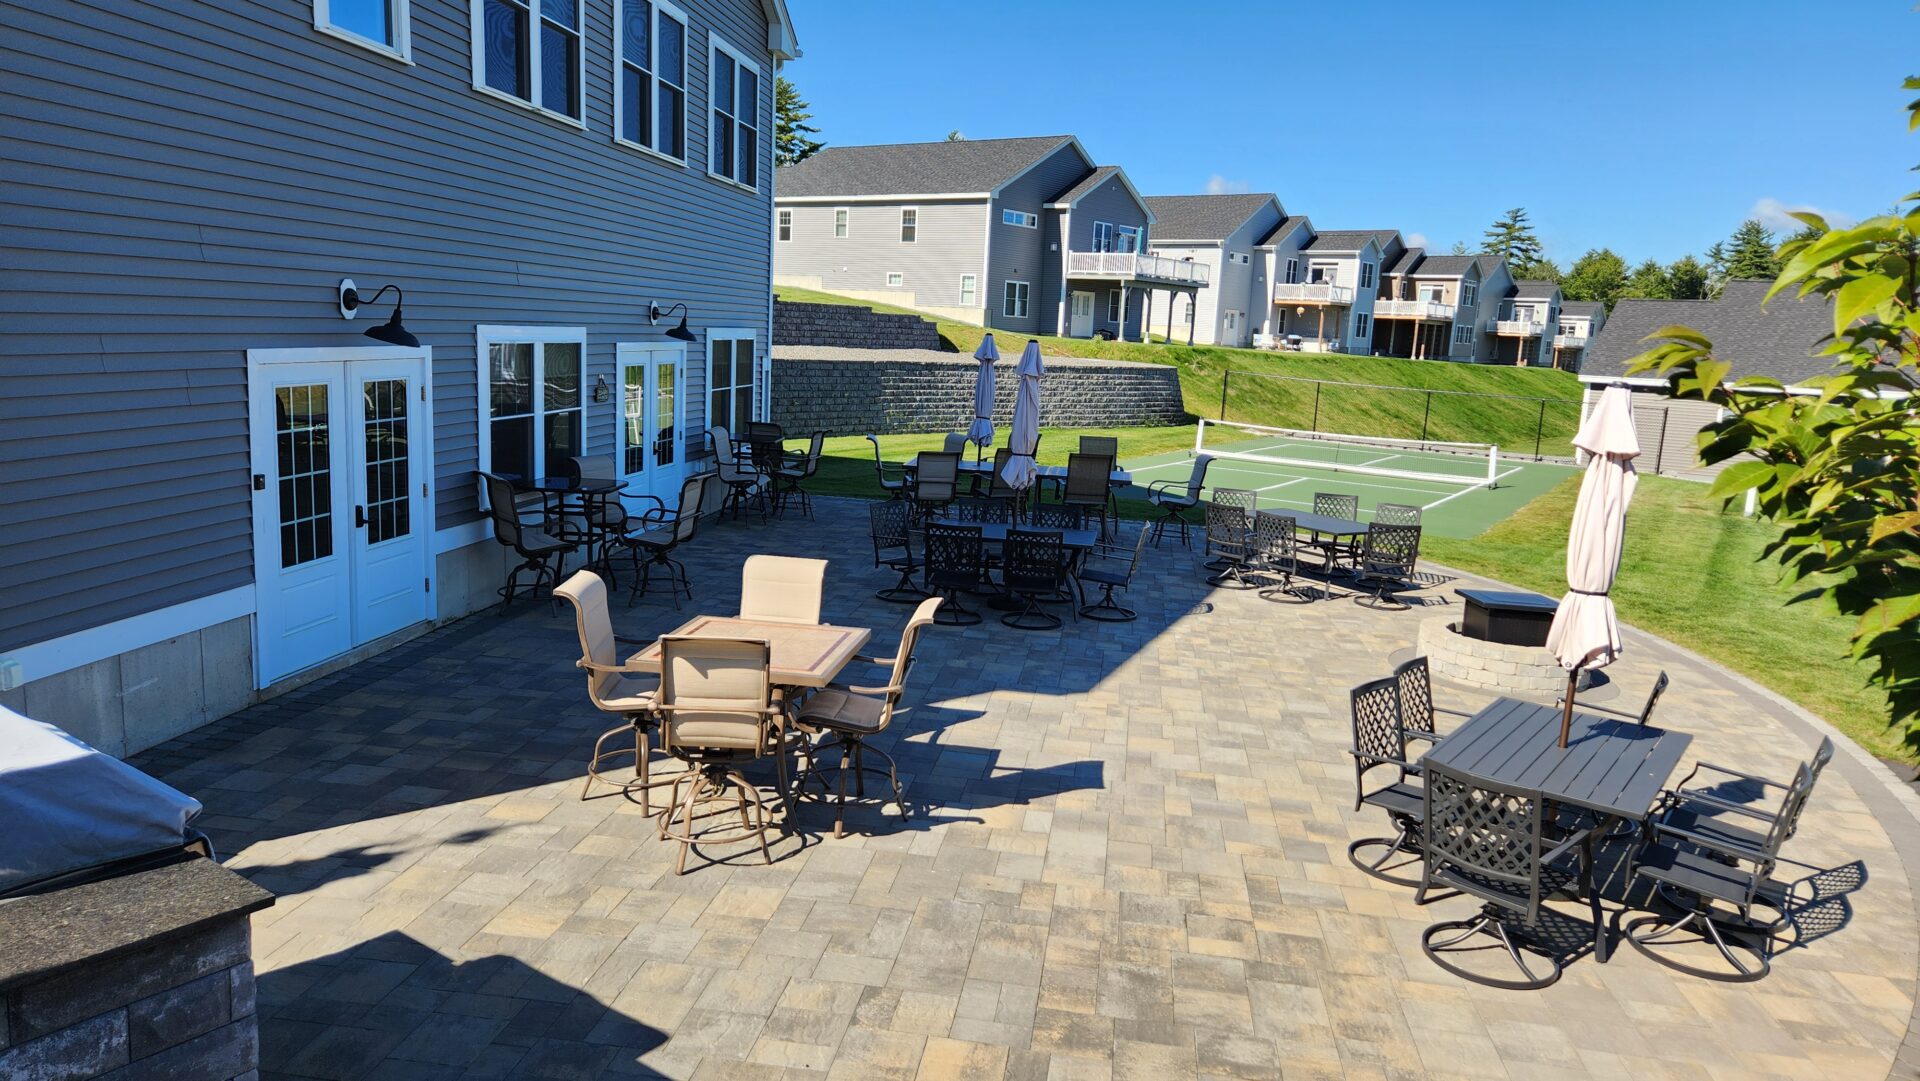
{"x": 1346, "y": 239}
{"x": 1777, "y": 340}
{"x": 1532, "y": 290}
{"x": 1588, "y": 308}
{"x": 1406, "y": 261}
{"x": 1100, "y": 175}
{"x": 967, "y": 165}
{"x": 1444, "y": 266}
{"x": 1203, "y": 217}
{"x": 1287, "y": 225}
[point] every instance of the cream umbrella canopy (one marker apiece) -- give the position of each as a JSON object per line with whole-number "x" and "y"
{"x": 1585, "y": 631}
{"x": 980, "y": 432}
{"x": 1024, "y": 439}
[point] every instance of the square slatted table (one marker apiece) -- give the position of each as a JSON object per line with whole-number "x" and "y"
{"x": 1612, "y": 768}
{"x": 802, "y": 655}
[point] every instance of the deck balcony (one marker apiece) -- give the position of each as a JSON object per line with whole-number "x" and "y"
{"x": 1518, "y": 328}
{"x": 1312, "y": 293}
{"x": 1424, "y": 310}
{"x": 1132, "y": 266}
{"x": 1570, "y": 341}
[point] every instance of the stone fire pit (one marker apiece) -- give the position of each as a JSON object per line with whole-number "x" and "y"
{"x": 1519, "y": 670}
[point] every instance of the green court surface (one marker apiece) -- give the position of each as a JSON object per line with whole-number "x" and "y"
{"x": 1454, "y": 504}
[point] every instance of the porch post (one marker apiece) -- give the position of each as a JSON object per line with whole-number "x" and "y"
{"x": 1193, "y": 302}
{"x": 1173, "y": 301}
{"x": 1146, "y": 314}
{"x": 1126, "y": 295}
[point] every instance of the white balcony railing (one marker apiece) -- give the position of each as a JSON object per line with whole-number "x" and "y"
{"x": 1570, "y": 341}
{"x": 1312, "y": 293}
{"x": 1413, "y": 309}
{"x": 1124, "y": 264}
{"x": 1522, "y": 328}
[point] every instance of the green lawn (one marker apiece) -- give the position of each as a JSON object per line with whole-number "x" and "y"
{"x": 1695, "y": 575}
{"x": 1512, "y": 422}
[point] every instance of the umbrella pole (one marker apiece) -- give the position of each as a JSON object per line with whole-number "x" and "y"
{"x": 1566, "y": 714}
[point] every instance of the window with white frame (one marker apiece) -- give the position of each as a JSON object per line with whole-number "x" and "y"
{"x": 1571, "y": 330}
{"x": 1127, "y": 238}
{"x": 895, "y": 279}
{"x": 1021, "y": 218}
{"x": 1523, "y": 313}
{"x": 1323, "y": 274}
{"x": 1238, "y": 257}
{"x": 1469, "y": 295}
{"x": 909, "y": 224}
{"x": 733, "y": 368}
{"x": 840, "y": 222}
{"x": 969, "y": 290}
{"x": 650, "y": 102}
{"x": 1103, "y": 236}
{"x": 1463, "y": 334}
{"x": 786, "y": 225}
{"x": 529, "y": 53}
{"x": 1113, "y": 305}
{"x": 1362, "y": 326}
{"x": 735, "y": 106}
{"x": 1292, "y": 276}
{"x": 1366, "y": 275}
{"x": 530, "y": 398}
{"x": 380, "y": 25}
{"x": 1014, "y": 301}
{"x": 1433, "y": 293}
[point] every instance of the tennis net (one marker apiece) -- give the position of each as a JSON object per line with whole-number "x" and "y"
{"x": 1474, "y": 464}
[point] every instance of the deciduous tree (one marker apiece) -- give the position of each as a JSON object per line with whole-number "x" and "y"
{"x": 1598, "y": 275}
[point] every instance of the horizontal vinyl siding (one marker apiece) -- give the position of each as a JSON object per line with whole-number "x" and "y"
{"x": 1021, "y": 254}
{"x": 185, "y": 183}
{"x": 949, "y": 241}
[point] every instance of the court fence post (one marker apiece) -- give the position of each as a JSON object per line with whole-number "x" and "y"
{"x": 1539, "y": 426}
{"x": 1225, "y": 375}
{"x": 1315, "y": 426}
{"x": 1424, "y": 414}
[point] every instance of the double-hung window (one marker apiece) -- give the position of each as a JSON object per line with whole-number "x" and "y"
{"x": 732, "y": 373}
{"x": 1469, "y": 296}
{"x": 530, "y": 398}
{"x": 1463, "y": 334}
{"x": 1113, "y": 305}
{"x": 786, "y": 224}
{"x": 909, "y": 225}
{"x": 1103, "y": 236}
{"x": 1293, "y": 272}
{"x": 840, "y": 222}
{"x": 1362, "y": 326}
{"x": 969, "y": 290}
{"x": 1366, "y": 275}
{"x": 528, "y": 51}
{"x": 650, "y": 102}
{"x": 734, "y": 141}
{"x": 1014, "y": 301}
{"x": 380, "y": 25}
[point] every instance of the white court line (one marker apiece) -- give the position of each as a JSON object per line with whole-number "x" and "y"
{"x": 1282, "y": 484}
{"x": 1476, "y": 488}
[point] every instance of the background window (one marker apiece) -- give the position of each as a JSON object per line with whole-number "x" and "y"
{"x": 1113, "y": 305}
{"x": 380, "y": 23}
{"x": 969, "y": 290}
{"x": 534, "y": 406}
{"x": 652, "y": 38}
{"x": 909, "y": 225}
{"x": 1014, "y": 301}
{"x": 730, "y": 380}
{"x": 840, "y": 222}
{"x": 1020, "y": 218}
{"x": 1366, "y": 275}
{"x": 786, "y": 225}
{"x": 1463, "y": 335}
{"x": 736, "y": 127}
{"x": 534, "y": 57}
{"x": 1361, "y": 325}
{"x": 895, "y": 279}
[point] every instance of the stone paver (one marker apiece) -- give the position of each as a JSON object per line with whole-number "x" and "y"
{"x": 1126, "y": 861}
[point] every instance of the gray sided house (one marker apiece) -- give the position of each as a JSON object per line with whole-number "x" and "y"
{"x": 1779, "y": 339}
{"x": 1222, "y": 233}
{"x": 1325, "y": 295}
{"x": 1528, "y": 322}
{"x": 1025, "y": 235}
{"x": 1580, "y": 321}
{"x": 215, "y": 484}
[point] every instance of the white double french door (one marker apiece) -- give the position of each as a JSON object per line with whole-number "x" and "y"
{"x": 1080, "y": 315}
{"x": 652, "y": 412}
{"x": 341, "y": 446}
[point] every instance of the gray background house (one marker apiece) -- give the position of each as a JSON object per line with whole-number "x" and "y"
{"x": 1222, "y": 233}
{"x": 187, "y": 415}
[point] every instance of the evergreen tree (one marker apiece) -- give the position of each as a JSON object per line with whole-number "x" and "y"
{"x": 955, "y": 136}
{"x": 1512, "y": 239}
{"x": 1460, "y": 248}
{"x": 1650, "y": 280}
{"x": 1751, "y": 252}
{"x": 1716, "y": 268}
{"x": 791, "y": 144}
{"x": 1539, "y": 270}
{"x": 1598, "y": 275}
{"x": 1687, "y": 279}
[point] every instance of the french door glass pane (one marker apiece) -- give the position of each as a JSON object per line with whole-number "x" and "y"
{"x": 633, "y": 422}
{"x": 743, "y": 404}
{"x": 302, "y": 439}
{"x": 721, "y": 371}
{"x": 664, "y": 412}
{"x": 388, "y": 507}
{"x": 743, "y": 362}
{"x": 504, "y": 33}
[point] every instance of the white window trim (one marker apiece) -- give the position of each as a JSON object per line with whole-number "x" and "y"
{"x": 969, "y": 281}
{"x": 660, "y": 7}
{"x": 1368, "y": 276}
{"x": 1094, "y": 234}
{"x": 402, "y": 47}
{"x": 1114, "y": 314}
{"x": 1362, "y": 326}
{"x": 1462, "y": 334}
{"x": 487, "y": 335}
{"x": 762, "y": 372}
{"x": 477, "y": 40}
{"x": 896, "y": 279}
{"x": 839, "y": 213}
{"x": 1469, "y": 296}
{"x": 783, "y": 219}
{"x": 718, "y": 44}
{"x": 1006, "y": 299}
{"x": 915, "y": 211}
{"x": 1025, "y": 220}
{"x": 1292, "y": 272}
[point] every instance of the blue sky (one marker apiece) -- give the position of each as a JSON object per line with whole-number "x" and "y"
{"x": 1653, "y": 128}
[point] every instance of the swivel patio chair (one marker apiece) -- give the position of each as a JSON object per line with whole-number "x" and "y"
{"x": 1733, "y": 808}
{"x": 1058, "y": 516}
{"x": 1386, "y": 559}
{"x": 895, "y": 487}
{"x": 1417, "y": 711}
{"x": 1716, "y": 879}
{"x": 1275, "y": 558}
{"x": 1379, "y": 741}
{"x": 936, "y": 482}
{"x": 1334, "y": 550}
{"x": 797, "y": 470}
{"x": 1247, "y": 501}
{"x": 955, "y": 563}
{"x": 887, "y": 525}
{"x": 997, "y": 487}
{"x": 660, "y": 532}
{"x": 980, "y": 509}
{"x": 1110, "y": 568}
{"x": 613, "y": 687}
{"x": 717, "y": 714}
{"x": 542, "y": 554}
{"x": 852, "y": 715}
{"x": 1490, "y": 842}
{"x": 1396, "y": 514}
{"x": 1644, "y": 717}
{"x": 1174, "y": 498}
{"x": 1086, "y": 486}
{"x": 744, "y": 483}
{"x": 782, "y": 589}
{"x": 1229, "y": 540}
{"x": 1033, "y": 568}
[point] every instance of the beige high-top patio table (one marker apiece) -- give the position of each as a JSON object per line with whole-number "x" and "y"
{"x": 803, "y": 655}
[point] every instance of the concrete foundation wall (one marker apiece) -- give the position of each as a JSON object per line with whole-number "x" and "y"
{"x": 852, "y": 393}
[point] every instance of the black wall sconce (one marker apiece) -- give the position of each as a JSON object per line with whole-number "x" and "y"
{"x": 601, "y": 391}
{"x": 679, "y": 333}
{"x": 391, "y": 332}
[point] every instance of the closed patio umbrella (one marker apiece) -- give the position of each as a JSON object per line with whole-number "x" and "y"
{"x": 1024, "y": 439}
{"x": 980, "y": 432}
{"x": 1585, "y": 632}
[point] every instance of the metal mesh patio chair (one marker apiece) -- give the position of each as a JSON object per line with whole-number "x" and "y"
{"x": 954, "y": 563}
{"x": 979, "y": 509}
{"x": 541, "y": 553}
{"x": 1716, "y": 880}
{"x": 1274, "y": 557}
{"x": 1334, "y": 550}
{"x": 613, "y": 687}
{"x": 935, "y": 483}
{"x": 1417, "y": 710}
{"x": 1110, "y": 567}
{"x": 794, "y": 471}
{"x": 1086, "y": 486}
{"x": 1645, "y": 716}
{"x": 1490, "y": 842}
{"x": 895, "y": 487}
{"x": 851, "y": 715}
{"x": 782, "y": 589}
{"x": 888, "y": 523}
{"x": 998, "y": 488}
{"x": 1033, "y": 568}
{"x": 1379, "y": 741}
{"x": 1242, "y": 498}
{"x": 1058, "y": 516}
{"x": 717, "y": 713}
{"x": 1105, "y": 446}
{"x": 1174, "y": 498}
{"x": 1396, "y": 514}
{"x": 1387, "y": 556}
{"x": 1229, "y": 541}
{"x": 659, "y": 532}
{"x": 1734, "y": 807}
{"x": 744, "y": 483}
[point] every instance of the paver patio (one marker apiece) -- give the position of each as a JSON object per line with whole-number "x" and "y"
{"x": 1126, "y": 861}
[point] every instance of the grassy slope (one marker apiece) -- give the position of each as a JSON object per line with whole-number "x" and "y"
{"x": 1725, "y": 602}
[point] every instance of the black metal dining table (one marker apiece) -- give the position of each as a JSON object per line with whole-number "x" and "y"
{"x": 1611, "y": 768}
{"x": 996, "y": 533}
{"x": 591, "y": 492}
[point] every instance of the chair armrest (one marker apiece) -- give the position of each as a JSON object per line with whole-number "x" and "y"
{"x": 1724, "y": 847}
{"x": 1566, "y": 843}
{"x": 1165, "y": 485}
{"x": 1733, "y": 773}
{"x": 883, "y": 662}
{"x": 628, "y": 669}
{"x": 1452, "y": 712}
{"x": 769, "y": 711}
{"x": 1415, "y": 733}
{"x": 1721, "y": 805}
{"x": 870, "y": 692}
{"x": 1380, "y": 760}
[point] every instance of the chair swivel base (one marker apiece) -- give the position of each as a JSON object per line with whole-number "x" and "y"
{"x": 1487, "y": 925}
{"x": 955, "y": 614}
{"x": 1108, "y": 610}
{"x": 643, "y": 781}
{"x": 1381, "y": 600}
{"x": 1381, "y": 867}
{"x": 1230, "y": 577}
{"x": 543, "y": 574}
{"x": 1286, "y": 593}
{"x": 1171, "y": 516}
{"x": 676, "y": 574}
{"x": 1743, "y": 947}
{"x": 903, "y": 591}
{"x": 708, "y": 783}
{"x": 852, "y": 764}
